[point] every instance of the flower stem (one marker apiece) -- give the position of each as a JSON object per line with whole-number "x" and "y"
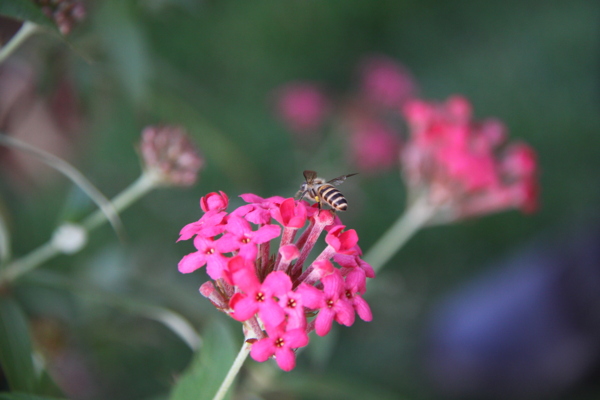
{"x": 413, "y": 218}
{"x": 26, "y": 30}
{"x": 48, "y": 250}
{"x": 233, "y": 371}
{"x": 130, "y": 195}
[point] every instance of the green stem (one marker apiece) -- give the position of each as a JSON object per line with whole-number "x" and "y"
{"x": 233, "y": 371}
{"x": 48, "y": 250}
{"x": 131, "y": 194}
{"x": 413, "y": 218}
{"x": 26, "y": 30}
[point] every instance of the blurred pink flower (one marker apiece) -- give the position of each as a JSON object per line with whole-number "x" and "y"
{"x": 385, "y": 82}
{"x": 302, "y": 106}
{"x": 459, "y": 164}
{"x": 374, "y": 147}
{"x": 169, "y": 155}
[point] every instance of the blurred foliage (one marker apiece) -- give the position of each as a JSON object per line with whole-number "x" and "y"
{"x": 211, "y": 66}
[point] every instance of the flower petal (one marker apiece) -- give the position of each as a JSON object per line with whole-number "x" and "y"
{"x": 362, "y": 309}
{"x": 286, "y": 358}
{"x": 191, "y": 262}
{"x": 243, "y": 275}
{"x": 324, "y": 321}
{"x": 243, "y": 306}
{"x": 295, "y": 338}
{"x": 266, "y": 233}
{"x": 311, "y": 296}
{"x": 278, "y": 283}
{"x": 271, "y": 313}
{"x": 262, "y": 350}
{"x": 344, "y": 312}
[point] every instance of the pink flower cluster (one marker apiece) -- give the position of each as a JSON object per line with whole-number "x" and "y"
{"x": 369, "y": 116}
{"x": 277, "y": 295}
{"x": 466, "y": 165}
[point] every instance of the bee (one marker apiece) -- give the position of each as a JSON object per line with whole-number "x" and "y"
{"x": 317, "y": 189}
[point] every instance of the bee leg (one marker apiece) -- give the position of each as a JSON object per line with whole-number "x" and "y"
{"x": 319, "y": 205}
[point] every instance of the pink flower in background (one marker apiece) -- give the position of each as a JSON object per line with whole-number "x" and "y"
{"x": 385, "y": 82}
{"x": 302, "y": 106}
{"x": 276, "y": 295}
{"x": 459, "y": 164}
{"x": 374, "y": 147}
{"x": 169, "y": 155}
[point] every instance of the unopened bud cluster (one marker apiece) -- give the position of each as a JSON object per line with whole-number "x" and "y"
{"x": 170, "y": 156}
{"x": 65, "y": 13}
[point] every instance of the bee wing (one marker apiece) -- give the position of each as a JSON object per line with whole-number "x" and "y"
{"x": 310, "y": 176}
{"x": 340, "y": 179}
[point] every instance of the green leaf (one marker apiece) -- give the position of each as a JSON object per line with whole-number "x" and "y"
{"x": 210, "y": 365}
{"x": 15, "y": 347}
{"x": 24, "y": 396}
{"x": 26, "y": 10}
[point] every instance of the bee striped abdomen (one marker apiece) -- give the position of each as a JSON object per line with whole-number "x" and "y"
{"x": 333, "y": 197}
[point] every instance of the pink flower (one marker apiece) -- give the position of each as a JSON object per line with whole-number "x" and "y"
{"x": 302, "y": 106}
{"x": 343, "y": 242}
{"x": 214, "y": 201}
{"x": 280, "y": 343}
{"x": 355, "y": 285}
{"x": 374, "y": 147}
{"x": 331, "y": 303}
{"x": 256, "y": 297}
{"x": 259, "y": 210}
{"x": 457, "y": 162}
{"x": 240, "y": 237}
{"x": 386, "y": 82}
{"x": 291, "y": 214}
{"x": 211, "y": 224}
{"x": 292, "y": 304}
{"x": 209, "y": 254}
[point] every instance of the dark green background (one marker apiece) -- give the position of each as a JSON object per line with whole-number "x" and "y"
{"x": 212, "y": 66}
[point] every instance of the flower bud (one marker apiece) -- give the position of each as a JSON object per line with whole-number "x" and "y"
{"x": 214, "y": 201}
{"x": 69, "y": 238}
{"x": 169, "y": 155}
{"x": 65, "y": 13}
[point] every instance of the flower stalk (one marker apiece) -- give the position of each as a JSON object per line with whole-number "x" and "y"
{"x": 50, "y": 249}
{"x": 138, "y": 189}
{"x": 415, "y": 217}
{"x": 233, "y": 371}
{"x": 26, "y": 30}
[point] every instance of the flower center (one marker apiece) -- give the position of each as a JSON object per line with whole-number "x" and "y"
{"x": 279, "y": 342}
{"x": 329, "y": 303}
{"x": 292, "y": 303}
{"x": 210, "y": 251}
{"x": 348, "y": 294}
{"x": 260, "y": 297}
{"x": 246, "y": 240}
